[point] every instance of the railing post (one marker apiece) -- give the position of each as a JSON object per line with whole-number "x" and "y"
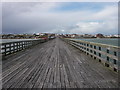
{"x": 97, "y": 51}
{"x": 12, "y": 47}
{"x": 10, "y": 50}
{"x": 5, "y": 50}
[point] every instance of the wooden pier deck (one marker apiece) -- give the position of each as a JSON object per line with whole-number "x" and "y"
{"x": 55, "y": 64}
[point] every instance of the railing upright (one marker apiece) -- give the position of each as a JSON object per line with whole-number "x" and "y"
{"x": 106, "y": 54}
{"x": 12, "y": 47}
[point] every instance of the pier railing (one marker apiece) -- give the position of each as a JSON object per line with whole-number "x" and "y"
{"x": 12, "y": 47}
{"x": 106, "y": 54}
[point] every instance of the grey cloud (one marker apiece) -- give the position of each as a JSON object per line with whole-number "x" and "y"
{"x": 36, "y": 17}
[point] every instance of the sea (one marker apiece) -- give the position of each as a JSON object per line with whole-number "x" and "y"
{"x": 13, "y": 40}
{"x": 110, "y": 41}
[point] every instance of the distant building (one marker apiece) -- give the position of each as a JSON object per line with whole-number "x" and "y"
{"x": 99, "y": 35}
{"x": 88, "y": 36}
{"x": 74, "y": 36}
{"x": 117, "y": 36}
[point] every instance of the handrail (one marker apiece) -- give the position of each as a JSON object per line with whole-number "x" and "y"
{"x": 98, "y": 44}
{"x": 107, "y": 54}
{"x": 12, "y": 47}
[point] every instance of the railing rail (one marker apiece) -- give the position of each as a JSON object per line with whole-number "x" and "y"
{"x": 12, "y": 47}
{"x": 107, "y": 54}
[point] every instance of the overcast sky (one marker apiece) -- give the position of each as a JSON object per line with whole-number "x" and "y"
{"x": 60, "y": 17}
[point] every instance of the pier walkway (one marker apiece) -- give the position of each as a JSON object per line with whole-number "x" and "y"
{"x": 55, "y": 64}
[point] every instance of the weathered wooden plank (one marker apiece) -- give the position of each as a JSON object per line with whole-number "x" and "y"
{"x": 55, "y": 64}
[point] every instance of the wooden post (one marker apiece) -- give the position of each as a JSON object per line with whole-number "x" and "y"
{"x": 17, "y": 46}
{"x": 5, "y": 50}
{"x": 90, "y": 49}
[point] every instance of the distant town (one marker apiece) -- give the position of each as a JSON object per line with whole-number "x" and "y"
{"x": 52, "y": 35}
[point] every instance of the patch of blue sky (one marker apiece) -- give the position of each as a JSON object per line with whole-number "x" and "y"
{"x": 81, "y": 6}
